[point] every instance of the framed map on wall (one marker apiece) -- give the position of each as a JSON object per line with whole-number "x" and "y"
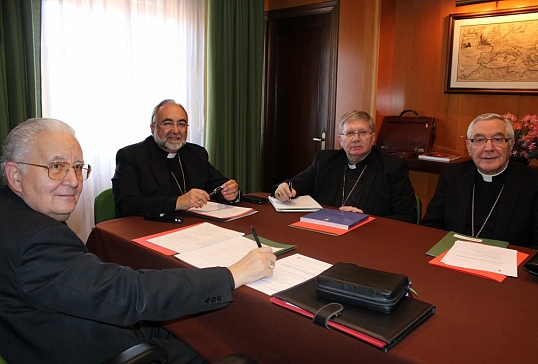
{"x": 493, "y": 53}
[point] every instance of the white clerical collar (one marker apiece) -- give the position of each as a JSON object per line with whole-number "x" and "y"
{"x": 351, "y": 166}
{"x": 489, "y": 177}
{"x": 171, "y": 155}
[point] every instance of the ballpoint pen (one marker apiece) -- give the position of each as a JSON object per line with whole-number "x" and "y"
{"x": 289, "y": 185}
{"x": 256, "y": 237}
{"x": 215, "y": 191}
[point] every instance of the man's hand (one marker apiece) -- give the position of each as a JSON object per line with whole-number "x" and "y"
{"x": 230, "y": 190}
{"x": 350, "y": 208}
{"x": 283, "y": 192}
{"x": 257, "y": 264}
{"x": 194, "y": 198}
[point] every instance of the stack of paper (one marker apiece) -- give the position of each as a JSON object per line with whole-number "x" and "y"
{"x": 485, "y": 258}
{"x": 221, "y": 212}
{"x": 299, "y": 204}
{"x": 438, "y": 157}
{"x": 217, "y": 242}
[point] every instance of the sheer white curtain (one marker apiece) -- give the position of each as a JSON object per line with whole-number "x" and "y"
{"x": 106, "y": 64}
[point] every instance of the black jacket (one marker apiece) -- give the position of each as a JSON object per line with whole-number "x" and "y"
{"x": 61, "y": 304}
{"x": 517, "y": 218}
{"x": 141, "y": 182}
{"x": 385, "y": 186}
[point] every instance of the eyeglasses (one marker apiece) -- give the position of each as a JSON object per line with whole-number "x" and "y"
{"x": 363, "y": 134}
{"x": 169, "y": 124}
{"x": 59, "y": 170}
{"x": 480, "y": 141}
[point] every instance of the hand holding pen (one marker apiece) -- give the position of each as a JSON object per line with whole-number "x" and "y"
{"x": 215, "y": 191}
{"x": 285, "y": 192}
{"x": 258, "y": 242}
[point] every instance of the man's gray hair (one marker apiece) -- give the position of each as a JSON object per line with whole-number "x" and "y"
{"x": 356, "y": 115}
{"x": 16, "y": 146}
{"x": 491, "y": 116}
{"x": 167, "y": 101}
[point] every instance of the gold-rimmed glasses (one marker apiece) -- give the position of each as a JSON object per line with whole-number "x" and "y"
{"x": 58, "y": 170}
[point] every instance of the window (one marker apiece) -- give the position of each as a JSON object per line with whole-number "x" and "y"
{"x": 107, "y": 63}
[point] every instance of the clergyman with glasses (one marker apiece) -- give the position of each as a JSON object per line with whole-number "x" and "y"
{"x": 164, "y": 173}
{"x": 359, "y": 177}
{"x": 61, "y": 304}
{"x": 489, "y": 196}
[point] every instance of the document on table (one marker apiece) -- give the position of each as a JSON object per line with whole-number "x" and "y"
{"x": 289, "y": 272}
{"x": 482, "y": 257}
{"x": 195, "y": 237}
{"x": 299, "y": 204}
{"x": 221, "y": 212}
{"x": 450, "y": 238}
{"x": 223, "y": 254}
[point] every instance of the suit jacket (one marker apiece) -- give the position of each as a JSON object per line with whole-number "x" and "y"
{"x": 61, "y": 304}
{"x": 385, "y": 186}
{"x": 141, "y": 182}
{"x": 517, "y": 220}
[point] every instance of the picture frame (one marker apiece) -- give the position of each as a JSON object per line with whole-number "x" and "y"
{"x": 493, "y": 53}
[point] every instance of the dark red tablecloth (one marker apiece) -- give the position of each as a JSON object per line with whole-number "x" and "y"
{"x": 477, "y": 320}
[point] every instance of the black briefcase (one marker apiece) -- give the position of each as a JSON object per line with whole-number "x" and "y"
{"x": 407, "y": 134}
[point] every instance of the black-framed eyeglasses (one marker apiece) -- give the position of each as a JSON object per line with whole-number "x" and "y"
{"x": 362, "y": 134}
{"x": 169, "y": 124}
{"x": 480, "y": 141}
{"x": 58, "y": 170}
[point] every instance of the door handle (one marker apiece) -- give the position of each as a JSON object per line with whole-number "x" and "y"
{"x": 322, "y": 140}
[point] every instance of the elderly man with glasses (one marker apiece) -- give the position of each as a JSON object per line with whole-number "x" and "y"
{"x": 489, "y": 196}
{"x": 61, "y": 304}
{"x": 165, "y": 173}
{"x": 359, "y": 177}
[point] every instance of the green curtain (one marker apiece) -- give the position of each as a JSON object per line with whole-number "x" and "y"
{"x": 20, "y": 76}
{"x": 234, "y": 89}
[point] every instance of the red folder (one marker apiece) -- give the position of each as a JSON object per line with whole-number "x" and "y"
{"x": 480, "y": 273}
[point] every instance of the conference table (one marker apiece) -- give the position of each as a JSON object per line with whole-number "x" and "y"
{"x": 476, "y": 319}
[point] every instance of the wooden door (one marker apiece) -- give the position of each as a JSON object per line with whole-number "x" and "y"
{"x": 299, "y": 88}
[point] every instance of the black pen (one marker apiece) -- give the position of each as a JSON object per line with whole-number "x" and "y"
{"x": 164, "y": 218}
{"x": 256, "y": 237}
{"x": 215, "y": 191}
{"x": 289, "y": 185}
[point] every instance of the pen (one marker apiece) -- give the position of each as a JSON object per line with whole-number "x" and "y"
{"x": 256, "y": 237}
{"x": 289, "y": 185}
{"x": 164, "y": 218}
{"x": 215, "y": 191}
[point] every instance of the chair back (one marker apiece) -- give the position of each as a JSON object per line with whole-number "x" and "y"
{"x": 103, "y": 206}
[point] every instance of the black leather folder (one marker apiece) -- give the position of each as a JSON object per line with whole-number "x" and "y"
{"x": 375, "y": 328}
{"x": 532, "y": 265}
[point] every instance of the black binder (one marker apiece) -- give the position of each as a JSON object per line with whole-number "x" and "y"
{"x": 375, "y": 328}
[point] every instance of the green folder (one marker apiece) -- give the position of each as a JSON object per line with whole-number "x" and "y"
{"x": 449, "y": 239}
{"x": 283, "y": 248}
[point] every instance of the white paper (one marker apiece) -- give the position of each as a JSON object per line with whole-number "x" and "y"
{"x": 223, "y": 254}
{"x": 482, "y": 257}
{"x": 288, "y": 272}
{"x": 222, "y": 211}
{"x": 467, "y": 238}
{"x": 301, "y": 203}
{"x": 194, "y": 237}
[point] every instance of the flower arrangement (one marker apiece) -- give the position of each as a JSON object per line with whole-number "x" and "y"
{"x": 525, "y": 136}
